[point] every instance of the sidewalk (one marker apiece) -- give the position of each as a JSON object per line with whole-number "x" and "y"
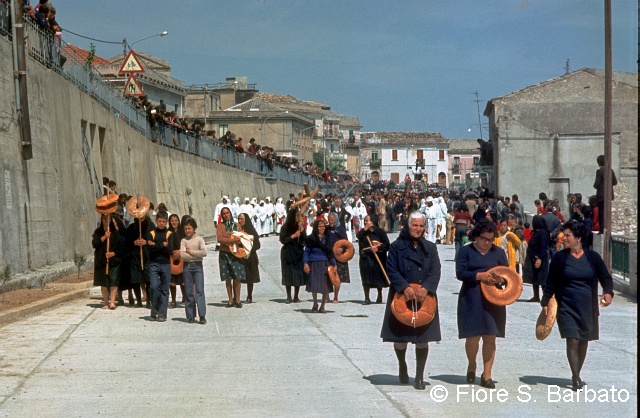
{"x": 274, "y": 359}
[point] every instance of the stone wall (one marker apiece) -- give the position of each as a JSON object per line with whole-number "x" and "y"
{"x": 47, "y": 203}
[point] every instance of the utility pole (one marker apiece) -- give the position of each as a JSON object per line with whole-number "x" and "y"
{"x": 21, "y": 74}
{"x": 477, "y": 100}
{"x": 608, "y": 122}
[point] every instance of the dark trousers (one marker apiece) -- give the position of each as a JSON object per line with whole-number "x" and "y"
{"x": 159, "y": 281}
{"x": 194, "y": 278}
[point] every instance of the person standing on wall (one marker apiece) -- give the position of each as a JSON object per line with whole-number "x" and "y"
{"x": 598, "y": 184}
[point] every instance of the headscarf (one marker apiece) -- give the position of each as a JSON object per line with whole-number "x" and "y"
{"x": 336, "y": 217}
{"x": 229, "y": 226}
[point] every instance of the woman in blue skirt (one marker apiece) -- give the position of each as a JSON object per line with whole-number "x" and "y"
{"x": 318, "y": 256}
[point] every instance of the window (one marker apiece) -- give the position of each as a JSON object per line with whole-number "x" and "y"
{"x": 420, "y": 155}
{"x": 476, "y": 161}
{"x": 222, "y": 129}
{"x": 456, "y": 160}
{"x": 441, "y": 154}
{"x": 394, "y": 154}
{"x": 456, "y": 179}
{"x": 374, "y": 155}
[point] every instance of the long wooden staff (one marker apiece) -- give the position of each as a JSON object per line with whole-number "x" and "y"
{"x": 376, "y": 255}
{"x": 108, "y": 230}
{"x": 140, "y": 237}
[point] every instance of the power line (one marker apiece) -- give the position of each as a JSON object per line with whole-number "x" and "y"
{"x": 92, "y": 39}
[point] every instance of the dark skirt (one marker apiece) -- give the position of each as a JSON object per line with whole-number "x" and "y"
{"x": 370, "y": 273}
{"x": 231, "y": 267}
{"x": 253, "y": 272}
{"x": 292, "y": 272}
{"x": 477, "y": 316}
{"x": 343, "y": 272}
{"x": 319, "y": 281}
{"x": 101, "y": 278}
{"x": 177, "y": 279}
{"x": 534, "y": 276}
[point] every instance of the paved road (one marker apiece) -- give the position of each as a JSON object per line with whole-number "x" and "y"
{"x": 274, "y": 359}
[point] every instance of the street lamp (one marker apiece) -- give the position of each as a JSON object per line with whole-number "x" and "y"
{"x": 480, "y": 126}
{"x": 265, "y": 121}
{"x": 124, "y": 41}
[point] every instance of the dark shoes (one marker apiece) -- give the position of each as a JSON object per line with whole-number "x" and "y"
{"x": 229, "y": 305}
{"x": 321, "y": 310}
{"x": 139, "y": 305}
{"x": 203, "y": 321}
{"x": 367, "y": 302}
{"x": 288, "y": 301}
{"x": 153, "y": 318}
{"x": 296, "y": 300}
{"x": 403, "y": 374}
{"x": 238, "y": 305}
{"x": 174, "y": 304}
{"x": 314, "y": 309}
{"x": 420, "y": 384}
{"x": 577, "y": 384}
{"x": 191, "y": 320}
{"x": 471, "y": 377}
{"x": 249, "y": 300}
{"x": 489, "y": 384}
{"x": 379, "y": 299}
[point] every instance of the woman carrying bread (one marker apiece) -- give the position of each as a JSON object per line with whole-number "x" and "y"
{"x": 232, "y": 271}
{"x": 479, "y": 319}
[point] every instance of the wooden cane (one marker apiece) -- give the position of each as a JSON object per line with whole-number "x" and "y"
{"x": 108, "y": 230}
{"x": 140, "y": 237}
{"x": 380, "y": 263}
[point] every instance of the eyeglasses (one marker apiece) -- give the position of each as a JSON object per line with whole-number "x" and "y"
{"x": 485, "y": 239}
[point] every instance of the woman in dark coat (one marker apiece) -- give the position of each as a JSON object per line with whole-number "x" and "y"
{"x": 412, "y": 259}
{"x": 574, "y": 275}
{"x": 477, "y": 317}
{"x": 135, "y": 261}
{"x": 292, "y": 238}
{"x": 536, "y": 266}
{"x": 250, "y": 263}
{"x": 336, "y": 232}
{"x": 107, "y": 235}
{"x": 370, "y": 272}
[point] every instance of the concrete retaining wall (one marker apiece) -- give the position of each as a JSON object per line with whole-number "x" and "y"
{"x": 47, "y": 203}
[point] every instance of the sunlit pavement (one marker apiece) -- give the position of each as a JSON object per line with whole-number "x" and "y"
{"x": 274, "y": 359}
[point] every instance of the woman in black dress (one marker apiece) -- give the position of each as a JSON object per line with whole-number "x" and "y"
{"x": 574, "y": 274}
{"x": 536, "y": 266}
{"x": 292, "y": 238}
{"x": 250, "y": 263}
{"x": 336, "y": 232}
{"x": 107, "y": 235}
{"x": 477, "y": 318}
{"x": 371, "y": 273}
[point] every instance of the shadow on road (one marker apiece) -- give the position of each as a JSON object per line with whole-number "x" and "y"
{"x": 544, "y": 380}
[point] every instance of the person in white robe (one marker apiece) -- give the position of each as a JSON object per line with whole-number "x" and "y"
{"x": 281, "y": 213}
{"x": 271, "y": 213}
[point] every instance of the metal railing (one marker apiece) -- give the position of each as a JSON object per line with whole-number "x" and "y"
{"x": 620, "y": 256}
{"x": 50, "y": 51}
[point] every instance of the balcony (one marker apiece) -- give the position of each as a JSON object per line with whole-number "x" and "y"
{"x": 375, "y": 164}
{"x": 455, "y": 169}
{"x": 420, "y": 162}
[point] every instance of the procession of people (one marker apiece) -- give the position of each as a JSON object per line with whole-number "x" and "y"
{"x": 152, "y": 255}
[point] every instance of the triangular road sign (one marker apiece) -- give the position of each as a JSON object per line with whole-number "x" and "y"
{"x": 131, "y": 64}
{"x": 133, "y": 87}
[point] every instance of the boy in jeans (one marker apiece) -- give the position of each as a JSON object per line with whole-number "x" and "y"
{"x": 162, "y": 243}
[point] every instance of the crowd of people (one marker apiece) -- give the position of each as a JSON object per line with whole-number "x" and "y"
{"x": 489, "y": 232}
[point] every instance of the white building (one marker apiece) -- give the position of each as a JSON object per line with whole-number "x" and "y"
{"x": 393, "y": 155}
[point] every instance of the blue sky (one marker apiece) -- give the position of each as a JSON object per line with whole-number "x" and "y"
{"x": 403, "y": 65}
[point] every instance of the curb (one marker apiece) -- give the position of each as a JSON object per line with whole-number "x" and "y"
{"x": 23, "y": 311}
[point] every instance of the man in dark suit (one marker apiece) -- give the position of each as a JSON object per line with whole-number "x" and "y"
{"x": 599, "y": 186}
